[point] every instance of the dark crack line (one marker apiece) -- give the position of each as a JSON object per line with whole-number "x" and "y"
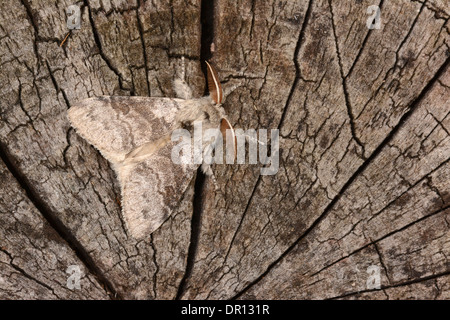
{"x": 360, "y": 170}
{"x": 402, "y": 284}
{"x": 53, "y": 220}
{"x": 242, "y": 218}
{"x": 409, "y": 33}
{"x": 373, "y": 242}
{"x": 358, "y": 55}
{"x": 30, "y": 16}
{"x": 395, "y": 66}
{"x": 411, "y": 187}
{"x": 380, "y": 257}
{"x": 27, "y": 275}
{"x": 207, "y": 37}
{"x": 144, "y": 50}
{"x": 195, "y": 231}
{"x": 344, "y": 86}
{"x": 55, "y": 84}
{"x": 27, "y": 185}
{"x": 33, "y": 23}
{"x": 439, "y": 14}
{"x": 300, "y": 41}
{"x": 155, "y": 262}
{"x": 440, "y": 122}
{"x": 100, "y": 50}
{"x": 283, "y": 115}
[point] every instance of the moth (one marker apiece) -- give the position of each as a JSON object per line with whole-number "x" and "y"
{"x": 134, "y": 135}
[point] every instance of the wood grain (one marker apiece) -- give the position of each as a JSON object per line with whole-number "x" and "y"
{"x": 364, "y": 122}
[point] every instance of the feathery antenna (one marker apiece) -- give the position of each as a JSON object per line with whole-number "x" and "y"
{"x": 214, "y": 87}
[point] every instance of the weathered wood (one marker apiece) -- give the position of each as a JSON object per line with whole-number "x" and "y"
{"x": 364, "y": 122}
{"x": 40, "y": 81}
{"x": 34, "y": 259}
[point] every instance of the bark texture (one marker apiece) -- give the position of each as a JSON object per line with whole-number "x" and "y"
{"x": 363, "y": 183}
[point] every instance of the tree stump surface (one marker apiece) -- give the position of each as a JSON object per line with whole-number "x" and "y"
{"x": 363, "y": 185}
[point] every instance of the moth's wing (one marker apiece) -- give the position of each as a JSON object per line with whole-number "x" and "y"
{"x": 153, "y": 187}
{"x": 117, "y": 125}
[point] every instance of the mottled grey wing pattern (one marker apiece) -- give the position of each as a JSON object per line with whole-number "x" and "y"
{"x": 117, "y": 125}
{"x": 152, "y": 188}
